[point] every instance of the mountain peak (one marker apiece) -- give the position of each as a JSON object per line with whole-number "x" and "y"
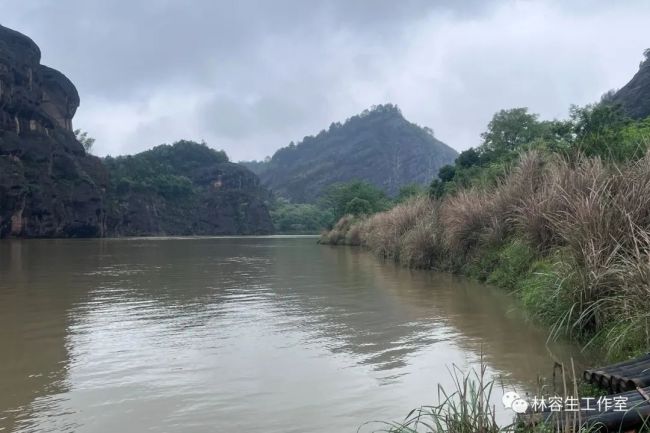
{"x": 377, "y": 145}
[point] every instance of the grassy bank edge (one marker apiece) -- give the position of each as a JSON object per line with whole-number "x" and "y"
{"x": 570, "y": 239}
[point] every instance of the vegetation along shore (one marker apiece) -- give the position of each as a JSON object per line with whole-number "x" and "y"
{"x": 556, "y": 211}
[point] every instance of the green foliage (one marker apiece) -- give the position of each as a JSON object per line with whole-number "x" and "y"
{"x": 83, "y": 138}
{"x": 339, "y": 196}
{"x": 605, "y": 130}
{"x": 358, "y": 207}
{"x": 301, "y": 218}
{"x": 508, "y": 131}
{"x": 601, "y": 130}
{"x": 447, "y": 173}
{"x": 257, "y": 167}
{"x": 513, "y": 263}
{"x": 408, "y": 191}
{"x": 469, "y": 407}
{"x": 167, "y": 170}
{"x": 597, "y": 129}
{"x": 436, "y": 189}
{"x": 468, "y": 158}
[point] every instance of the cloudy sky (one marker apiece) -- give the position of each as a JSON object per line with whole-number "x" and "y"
{"x": 251, "y": 76}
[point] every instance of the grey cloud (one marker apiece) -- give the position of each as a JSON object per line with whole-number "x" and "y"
{"x": 250, "y": 76}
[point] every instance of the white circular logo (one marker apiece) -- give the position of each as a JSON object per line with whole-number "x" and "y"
{"x": 520, "y": 405}
{"x": 508, "y": 398}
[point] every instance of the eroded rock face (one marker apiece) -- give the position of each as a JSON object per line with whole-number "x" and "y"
{"x": 228, "y": 200}
{"x": 33, "y": 97}
{"x": 635, "y": 95}
{"x": 49, "y": 186}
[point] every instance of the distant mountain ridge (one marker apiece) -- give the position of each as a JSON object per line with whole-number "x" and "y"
{"x": 378, "y": 146}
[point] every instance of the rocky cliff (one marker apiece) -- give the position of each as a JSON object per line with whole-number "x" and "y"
{"x": 50, "y": 187}
{"x": 635, "y": 95}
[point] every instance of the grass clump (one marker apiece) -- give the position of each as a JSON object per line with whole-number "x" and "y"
{"x": 468, "y": 408}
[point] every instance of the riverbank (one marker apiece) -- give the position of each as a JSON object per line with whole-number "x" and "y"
{"x": 570, "y": 238}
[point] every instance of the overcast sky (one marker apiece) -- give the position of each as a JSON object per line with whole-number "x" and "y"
{"x": 251, "y": 76}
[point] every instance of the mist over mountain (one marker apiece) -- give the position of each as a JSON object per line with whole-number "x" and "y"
{"x": 378, "y": 146}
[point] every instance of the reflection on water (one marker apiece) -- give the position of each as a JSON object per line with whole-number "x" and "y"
{"x": 254, "y": 334}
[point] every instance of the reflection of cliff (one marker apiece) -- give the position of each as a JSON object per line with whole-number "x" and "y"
{"x": 33, "y": 324}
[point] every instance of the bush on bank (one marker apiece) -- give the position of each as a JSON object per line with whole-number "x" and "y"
{"x": 570, "y": 235}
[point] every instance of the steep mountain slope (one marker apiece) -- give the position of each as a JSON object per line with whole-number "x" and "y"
{"x": 635, "y": 95}
{"x": 185, "y": 189}
{"x": 378, "y": 146}
{"x": 50, "y": 186}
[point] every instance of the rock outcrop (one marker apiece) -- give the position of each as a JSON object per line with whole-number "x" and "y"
{"x": 635, "y": 95}
{"x": 50, "y": 186}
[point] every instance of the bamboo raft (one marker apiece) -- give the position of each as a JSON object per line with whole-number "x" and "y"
{"x": 627, "y": 381}
{"x": 622, "y": 377}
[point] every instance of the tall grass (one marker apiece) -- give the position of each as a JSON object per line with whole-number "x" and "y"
{"x": 467, "y": 408}
{"x": 584, "y": 226}
{"x": 470, "y": 407}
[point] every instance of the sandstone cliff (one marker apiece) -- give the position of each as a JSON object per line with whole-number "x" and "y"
{"x": 50, "y": 187}
{"x": 635, "y": 95}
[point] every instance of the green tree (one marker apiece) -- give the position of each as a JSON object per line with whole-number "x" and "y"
{"x": 86, "y": 141}
{"x": 436, "y": 188}
{"x": 298, "y": 217}
{"x": 447, "y": 173}
{"x": 408, "y": 191}
{"x": 468, "y": 158}
{"x": 598, "y": 130}
{"x": 508, "y": 131}
{"x": 337, "y": 196}
{"x": 358, "y": 206}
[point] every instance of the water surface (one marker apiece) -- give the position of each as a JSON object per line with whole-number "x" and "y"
{"x": 274, "y": 334}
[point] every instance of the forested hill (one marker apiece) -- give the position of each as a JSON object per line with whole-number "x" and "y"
{"x": 186, "y": 188}
{"x": 378, "y": 146}
{"x": 635, "y": 95}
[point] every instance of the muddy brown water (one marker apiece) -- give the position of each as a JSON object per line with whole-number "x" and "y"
{"x": 269, "y": 334}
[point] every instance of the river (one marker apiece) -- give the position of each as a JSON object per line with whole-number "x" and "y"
{"x": 268, "y": 334}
